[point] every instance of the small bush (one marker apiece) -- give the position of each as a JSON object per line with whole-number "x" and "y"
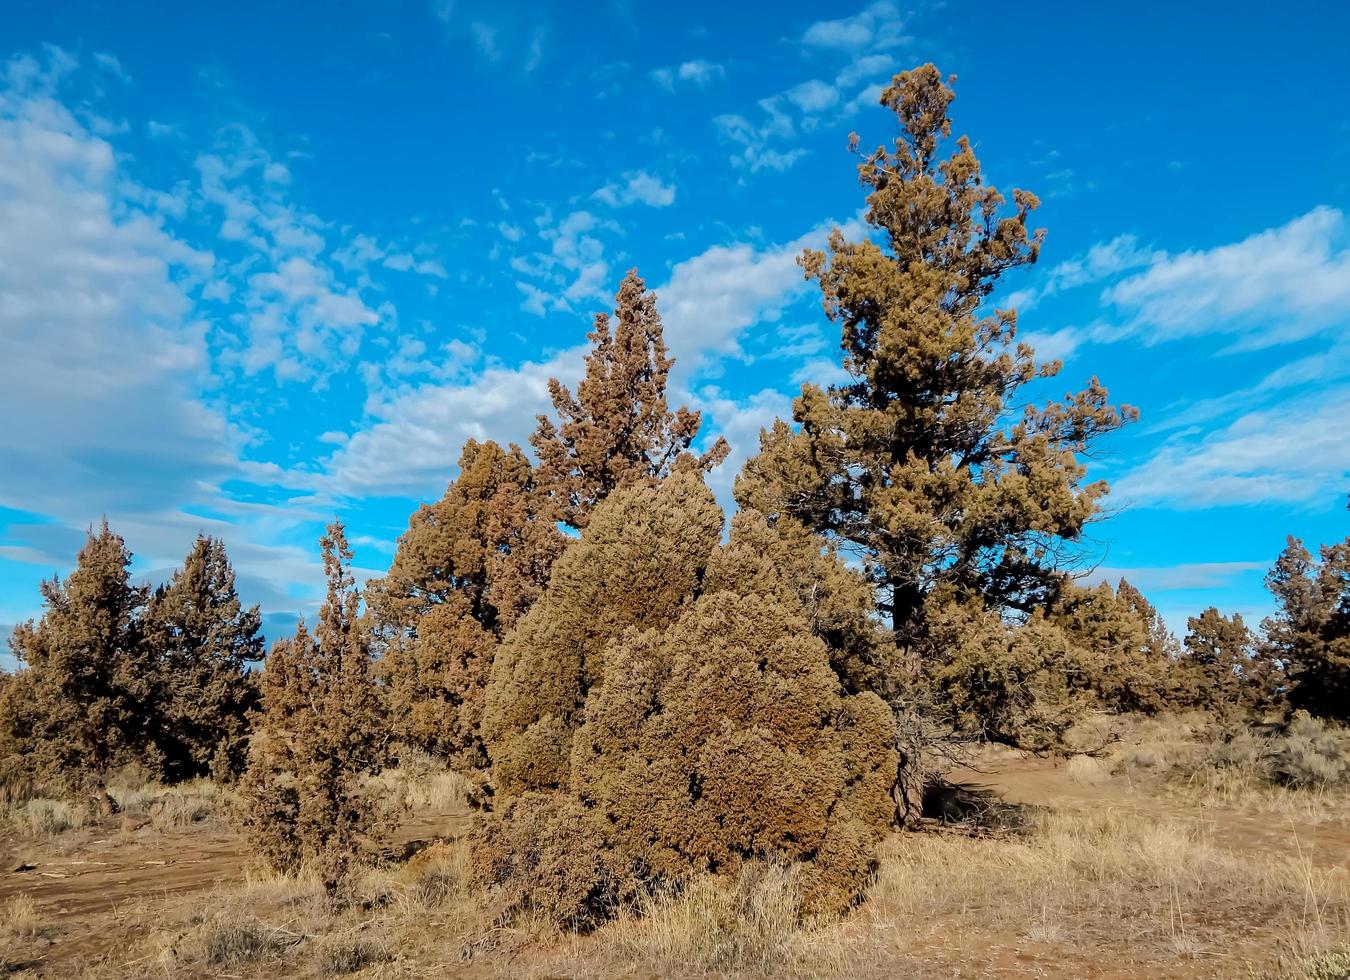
{"x": 343, "y": 953}
{"x": 1307, "y": 754}
{"x": 47, "y": 817}
{"x": 1086, "y": 771}
{"x": 227, "y": 938}
{"x": 545, "y": 853}
{"x": 1333, "y": 965}
{"x": 1312, "y": 754}
{"x": 19, "y": 918}
{"x": 749, "y": 924}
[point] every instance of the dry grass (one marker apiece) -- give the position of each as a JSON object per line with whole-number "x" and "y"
{"x": 1076, "y": 887}
{"x": 748, "y": 925}
{"x": 422, "y": 782}
{"x": 43, "y": 817}
{"x": 1301, "y": 774}
{"x": 19, "y": 918}
{"x": 174, "y": 807}
{"x": 1153, "y": 887}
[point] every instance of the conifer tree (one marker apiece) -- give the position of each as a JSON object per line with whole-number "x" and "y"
{"x": 672, "y": 707}
{"x": 618, "y": 429}
{"x": 1218, "y": 654}
{"x": 84, "y": 702}
{"x": 203, "y": 641}
{"x": 641, "y": 557}
{"x": 468, "y": 567}
{"x": 1129, "y": 660}
{"x": 1308, "y": 638}
{"x": 305, "y": 800}
{"x": 923, "y": 462}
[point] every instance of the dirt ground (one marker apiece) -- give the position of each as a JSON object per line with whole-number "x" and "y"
{"x": 104, "y": 889}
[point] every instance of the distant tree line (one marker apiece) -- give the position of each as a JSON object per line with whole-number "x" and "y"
{"x": 636, "y": 694}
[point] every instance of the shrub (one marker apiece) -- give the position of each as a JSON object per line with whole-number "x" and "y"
{"x": 546, "y": 853}
{"x": 342, "y": 953}
{"x": 642, "y": 555}
{"x": 1312, "y": 754}
{"x": 728, "y": 738}
{"x": 706, "y": 727}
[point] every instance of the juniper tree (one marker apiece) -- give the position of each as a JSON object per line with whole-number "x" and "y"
{"x": 468, "y": 567}
{"x": 305, "y": 799}
{"x": 925, "y": 462}
{"x": 203, "y": 641}
{"x": 84, "y": 700}
{"x": 1218, "y": 655}
{"x": 637, "y": 561}
{"x": 672, "y": 706}
{"x": 1129, "y": 659}
{"x": 1308, "y": 638}
{"x": 618, "y": 429}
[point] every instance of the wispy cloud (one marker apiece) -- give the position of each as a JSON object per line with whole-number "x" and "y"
{"x": 697, "y": 73}
{"x": 637, "y": 187}
{"x": 1295, "y": 453}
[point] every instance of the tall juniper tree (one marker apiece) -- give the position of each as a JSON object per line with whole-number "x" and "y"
{"x": 924, "y": 463}
{"x": 618, "y": 429}
{"x": 85, "y": 701}
{"x": 203, "y": 641}
{"x": 1308, "y": 637}
{"x": 468, "y": 567}
{"x": 306, "y": 803}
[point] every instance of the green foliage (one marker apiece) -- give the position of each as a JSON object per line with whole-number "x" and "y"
{"x": 109, "y": 680}
{"x": 203, "y": 641}
{"x": 468, "y": 567}
{"x": 641, "y": 556}
{"x": 85, "y": 702}
{"x": 619, "y": 429}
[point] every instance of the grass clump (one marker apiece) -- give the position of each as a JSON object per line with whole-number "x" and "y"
{"x": 747, "y": 924}
{"x": 44, "y": 817}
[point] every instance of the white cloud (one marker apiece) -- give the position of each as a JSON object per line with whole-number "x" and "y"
{"x": 713, "y": 297}
{"x": 103, "y": 357}
{"x": 485, "y": 37}
{"x": 876, "y": 27}
{"x": 1170, "y": 578}
{"x": 1293, "y": 453}
{"x": 637, "y": 187}
{"x": 756, "y": 153}
{"x": 1279, "y": 285}
{"x": 738, "y": 420}
{"x": 417, "y": 432}
{"x": 813, "y": 96}
{"x": 698, "y": 73}
{"x": 573, "y": 268}
{"x": 300, "y": 317}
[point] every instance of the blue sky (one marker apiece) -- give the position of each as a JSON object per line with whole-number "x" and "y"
{"x": 264, "y": 263}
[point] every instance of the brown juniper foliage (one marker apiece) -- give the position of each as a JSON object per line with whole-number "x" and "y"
{"x": 914, "y": 463}
{"x": 1022, "y": 684}
{"x": 304, "y": 800}
{"x": 1130, "y": 659}
{"x": 696, "y": 688}
{"x": 642, "y": 555}
{"x": 468, "y": 567}
{"x": 84, "y": 701}
{"x": 1220, "y": 664}
{"x": 618, "y": 429}
{"x": 203, "y": 639}
{"x": 1308, "y": 638}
